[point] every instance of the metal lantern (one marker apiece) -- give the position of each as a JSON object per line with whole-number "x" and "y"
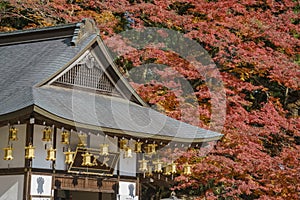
{"x": 82, "y": 140}
{"x": 8, "y": 153}
{"x": 65, "y": 135}
{"x": 143, "y": 165}
{"x": 128, "y": 153}
{"x": 187, "y": 169}
{"x": 51, "y": 154}
{"x": 173, "y": 168}
{"x": 47, "y": 134}
{"x": 69, "y": 156}
{"x": 87, "y": 159}
{"x": 151, "y": 149}
{"x": 158, "y": 166}
{"x": 123, "y": 143}
{"x": 150, "y": 170}
{"x": 29, "y": 152}
{"x": 138, "y": 147}
{"x": 168, "y": 170}
{"x": 104, "y": 149}
{"x": 13, "y": 133}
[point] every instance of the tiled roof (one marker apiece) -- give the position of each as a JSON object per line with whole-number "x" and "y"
{"x": 24, "y": 65}
{"x": 114, "y": 113}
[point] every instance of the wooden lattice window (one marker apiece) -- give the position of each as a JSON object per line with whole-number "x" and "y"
{"x": 87, "y": 73}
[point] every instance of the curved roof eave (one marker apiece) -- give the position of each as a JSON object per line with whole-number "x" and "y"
{"x": 91, "y": 127}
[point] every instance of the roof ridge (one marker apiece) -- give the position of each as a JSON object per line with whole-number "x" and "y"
{"x": 36, "y": 29}
{"x": 77, "y": 31}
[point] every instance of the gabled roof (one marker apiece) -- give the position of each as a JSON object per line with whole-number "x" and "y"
{"x": 32, "y": 60}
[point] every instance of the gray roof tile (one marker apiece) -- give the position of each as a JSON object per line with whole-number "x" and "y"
{"x": 112, "y": 112}
{"x": 25, "y": 65}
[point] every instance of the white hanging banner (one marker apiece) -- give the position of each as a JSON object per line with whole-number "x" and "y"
{"x": 127, "y": 191}
{"x": 41, "y": 185}
{"x": 126, "y": 197}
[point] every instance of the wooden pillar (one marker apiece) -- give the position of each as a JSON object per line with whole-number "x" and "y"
{"x": 138, "y": 187}
{"x": 28, "y": 163}
{"x": 54, "y": 146}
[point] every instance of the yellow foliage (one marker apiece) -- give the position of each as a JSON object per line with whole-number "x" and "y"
{"x": 106, "y": 16}
{"x": 102, "y": 18}
{"x": 6, "y": 29}
{"x": 196, "y": 20}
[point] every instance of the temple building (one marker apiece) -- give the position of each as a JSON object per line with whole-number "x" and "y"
{"x": 71, "y": 126}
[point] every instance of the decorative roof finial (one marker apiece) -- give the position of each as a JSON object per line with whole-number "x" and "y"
{"x": 84, "y": 29}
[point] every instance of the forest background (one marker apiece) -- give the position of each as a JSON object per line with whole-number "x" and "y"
{"x": 255, "y": 47}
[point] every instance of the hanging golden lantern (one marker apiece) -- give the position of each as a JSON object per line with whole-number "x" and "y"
{"x": 151, "y": 149}
{"x": 143, "y": 165}
{"x": 82, "y": 140}
{"x": 65, "y": 135}
{"x": 158, "y": 166}
{"x": 8, "y": 153}
{"x": 47, "y": 134}
{"x": 138, "y": 147}
{"x": 123, "y": 143}
{"x": 29, "y": 152}
{"x": 51, "y": 154}
{"x": 150, "y": 170}
{"x": 128, "y": 153}
{"x": 69, "y": 156}
{"x": 187, "y": 169}
{"x": 13, "y": 133}
{"x": 173, "y": 168}
{"x": 104, "y": 149}
{"x": 167, "y": 170}
{"x": 87, "y": 159}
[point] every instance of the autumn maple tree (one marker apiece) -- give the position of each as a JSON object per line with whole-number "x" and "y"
{"x": 255, "y": 47}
